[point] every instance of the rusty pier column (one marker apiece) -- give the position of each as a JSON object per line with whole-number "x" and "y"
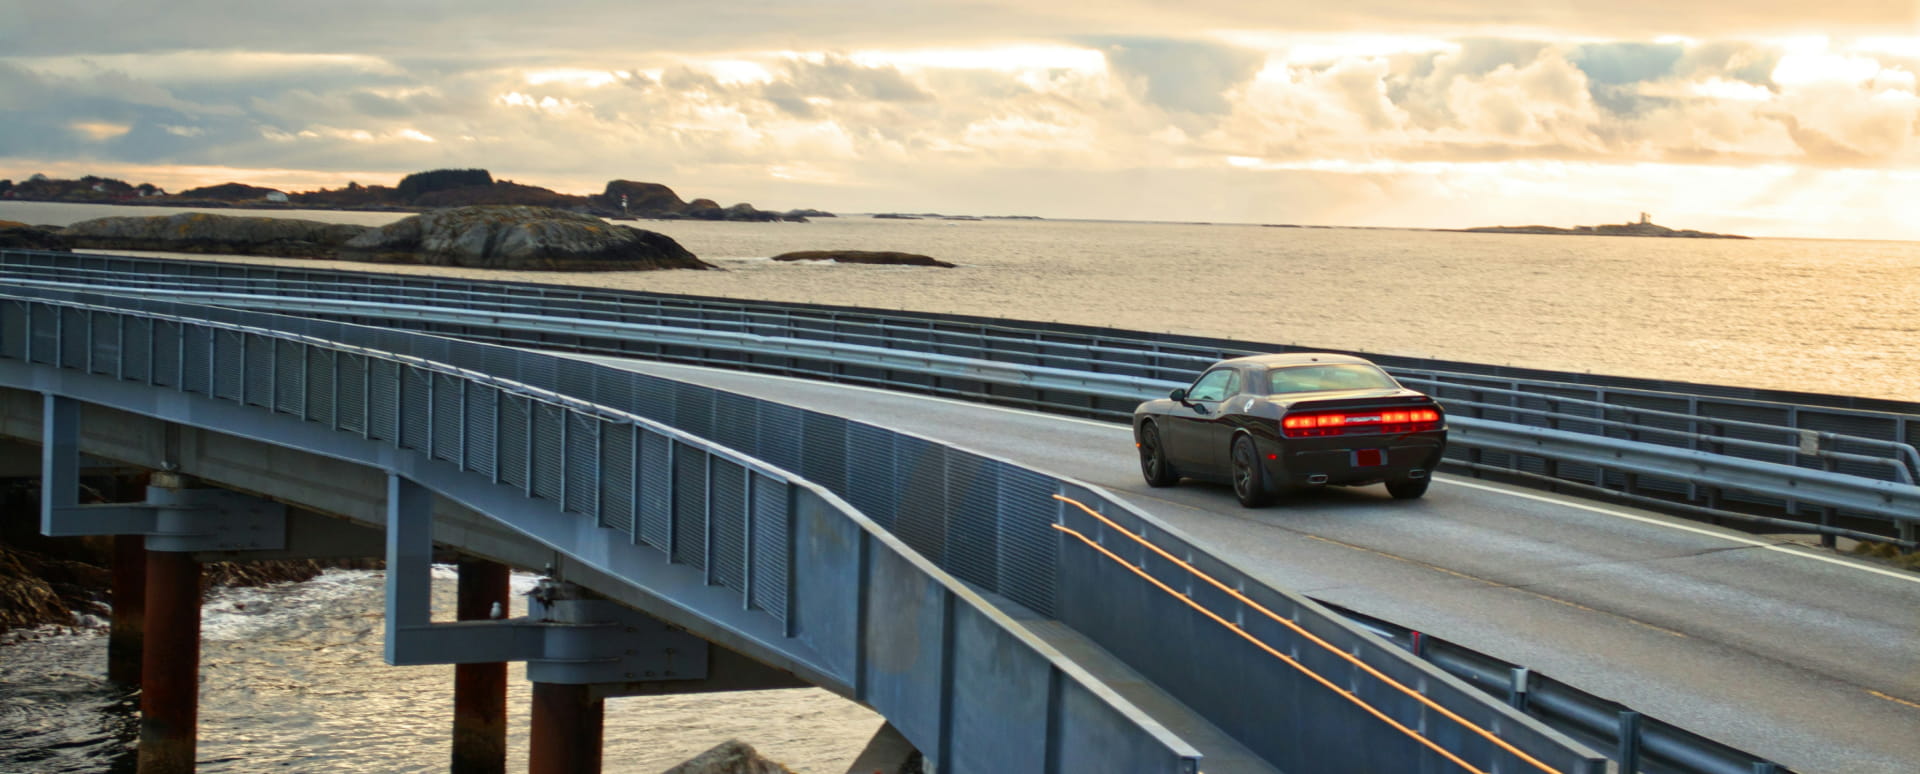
{"x": 480, "y": 690}
{"x": 129, "y": 609}
{"x": 170, "y": 665}
{"x": 567, "y": 727}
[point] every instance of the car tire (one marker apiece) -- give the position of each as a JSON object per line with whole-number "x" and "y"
{"x": 1153, "y": 458}
{"x": 1408, "y": 488}
{"x": 1249, "y": 476}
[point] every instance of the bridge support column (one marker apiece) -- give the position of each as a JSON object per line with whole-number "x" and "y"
{"x": 480, "y": 690}
{"x": 129, "y": 609}
{"x": 170, "y": 666}
{"x": 567, "y": 730}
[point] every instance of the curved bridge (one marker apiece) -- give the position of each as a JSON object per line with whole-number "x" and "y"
{"x": 992, "y": 613}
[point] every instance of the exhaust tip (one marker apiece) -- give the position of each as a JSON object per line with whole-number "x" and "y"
{"x": 1317, "y": 478}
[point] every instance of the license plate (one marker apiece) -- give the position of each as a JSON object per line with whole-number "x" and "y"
{"x": 1369, "y": 458}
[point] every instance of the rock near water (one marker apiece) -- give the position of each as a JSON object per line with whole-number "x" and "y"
{"x": 199, "y": 232}
{"x": 22, "y": 236}
{"x": 730, "y": 757}
{"x": 521, "y": 238}
{"x": 864, "y": 256}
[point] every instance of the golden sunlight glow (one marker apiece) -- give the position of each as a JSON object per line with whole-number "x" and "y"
{"x": 219, "y": 66}
{"x": 1711, "y": 88}
{"x": 1802, "y": 69}
{"x": 1904, "y": 46}
{"x": 735, "y": 71}
{"x": 415, "y": 135}
{"x": 99, "y": 130}
{"x": 1318, "y": 49}
{"x": 553, "y": 105}
{"x": 1012, "y": 57}
{"x": 591, "y": 79}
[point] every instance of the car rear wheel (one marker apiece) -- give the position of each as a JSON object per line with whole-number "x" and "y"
{"x": 1249, "y": 477}
{"x": 1408, "y": 489}
{"x": 1153, "y": 458}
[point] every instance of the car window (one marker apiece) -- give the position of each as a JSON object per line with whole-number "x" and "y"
{"x": 1212, "y": 386}
{"x": 1325, "y": 377}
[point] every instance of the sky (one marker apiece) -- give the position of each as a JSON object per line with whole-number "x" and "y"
{"x": 1764, "y": 117}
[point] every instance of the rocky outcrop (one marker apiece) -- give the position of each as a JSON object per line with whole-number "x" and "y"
{"x": 640, "y": 198}
{"x": 228, "y": 192}
{"x": 1612, "y": 229}
{"x": 520, "y": 238}
{"x": 199, "y": 232}
{"x": 864, "y": 256}
{"x": 19, "y": 235}
{"x": 730, "y": 757}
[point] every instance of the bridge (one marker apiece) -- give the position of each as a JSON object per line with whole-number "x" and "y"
{"x": 972, "y": 599}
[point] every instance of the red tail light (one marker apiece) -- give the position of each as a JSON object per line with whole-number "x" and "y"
{"x": 1318, "y": 423}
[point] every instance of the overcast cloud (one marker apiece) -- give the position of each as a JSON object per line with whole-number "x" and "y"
{"x": 1443, "y": 113}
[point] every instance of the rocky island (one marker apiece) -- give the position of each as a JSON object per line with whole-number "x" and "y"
{"x": 1644, "y": 228}
{"x": 517, "y": 237}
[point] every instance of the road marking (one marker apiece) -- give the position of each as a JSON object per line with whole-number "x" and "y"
{"x": 1879, "y": 695}
{"x": 1498, "y": 585}
{"x": 621, "y": 362}
{"x": 1789, "y": 550}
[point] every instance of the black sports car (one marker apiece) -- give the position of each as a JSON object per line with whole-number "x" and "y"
{"x": 1269, "y": 423}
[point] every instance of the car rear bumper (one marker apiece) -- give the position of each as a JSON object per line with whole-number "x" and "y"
{"x": 1360, "y": 459}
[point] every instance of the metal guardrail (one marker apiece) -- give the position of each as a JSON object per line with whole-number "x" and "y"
{"x": 1640, "y": 743}
{"x": 1896, "y": 503}
{"x": 1069, "y": 347}
{"x": 1820, "y": 429}
{"x": 908, "y": 513}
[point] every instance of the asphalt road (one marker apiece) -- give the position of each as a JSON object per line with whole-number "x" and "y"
{"x": 1801, "y": 655}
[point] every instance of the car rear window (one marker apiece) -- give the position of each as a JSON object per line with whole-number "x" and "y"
{"x": 1325, "y": 377}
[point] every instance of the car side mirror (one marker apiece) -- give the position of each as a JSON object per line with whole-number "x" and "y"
{"x": 1179, "y": 394}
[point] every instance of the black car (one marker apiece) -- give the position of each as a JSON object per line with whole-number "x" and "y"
{"x": 1270, "y": 423}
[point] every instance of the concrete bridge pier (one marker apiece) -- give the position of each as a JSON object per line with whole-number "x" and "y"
{"x": 480, "y": 690}
{"x": 568, "y": 730}
{"x": 170, "y": 665}
{"x": 127, "y": 634}
{"x": 174, "y": 521}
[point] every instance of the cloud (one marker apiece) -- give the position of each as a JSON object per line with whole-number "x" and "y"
{"x": 852, "y": 97}
{"x": 1182, "y": 75}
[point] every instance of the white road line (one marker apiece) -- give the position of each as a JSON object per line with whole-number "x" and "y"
{"x": 1790, "y": 550}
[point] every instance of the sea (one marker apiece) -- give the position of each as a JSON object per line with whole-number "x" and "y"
{"x": 303, "y": 689}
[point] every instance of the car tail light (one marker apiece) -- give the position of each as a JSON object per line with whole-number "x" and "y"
{"x": 1320, "y": 423}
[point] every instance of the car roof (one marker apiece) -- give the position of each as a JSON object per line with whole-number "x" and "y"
{"x": 1294, "y": 359}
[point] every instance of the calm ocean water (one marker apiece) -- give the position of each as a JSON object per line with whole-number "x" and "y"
{"x": 292, "y": 680}
{"x": 301, "y": 688}
{"x": 1815, "y": 315}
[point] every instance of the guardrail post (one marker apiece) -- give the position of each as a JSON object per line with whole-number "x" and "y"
{"x": 1517, "y": 687}
{"x": 1629, "y": 741}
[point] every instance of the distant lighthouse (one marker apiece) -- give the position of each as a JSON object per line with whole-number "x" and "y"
{"x": 1645, "y": 219}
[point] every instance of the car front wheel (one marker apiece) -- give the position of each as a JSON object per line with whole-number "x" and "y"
{"x": 1153, "y": 458}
